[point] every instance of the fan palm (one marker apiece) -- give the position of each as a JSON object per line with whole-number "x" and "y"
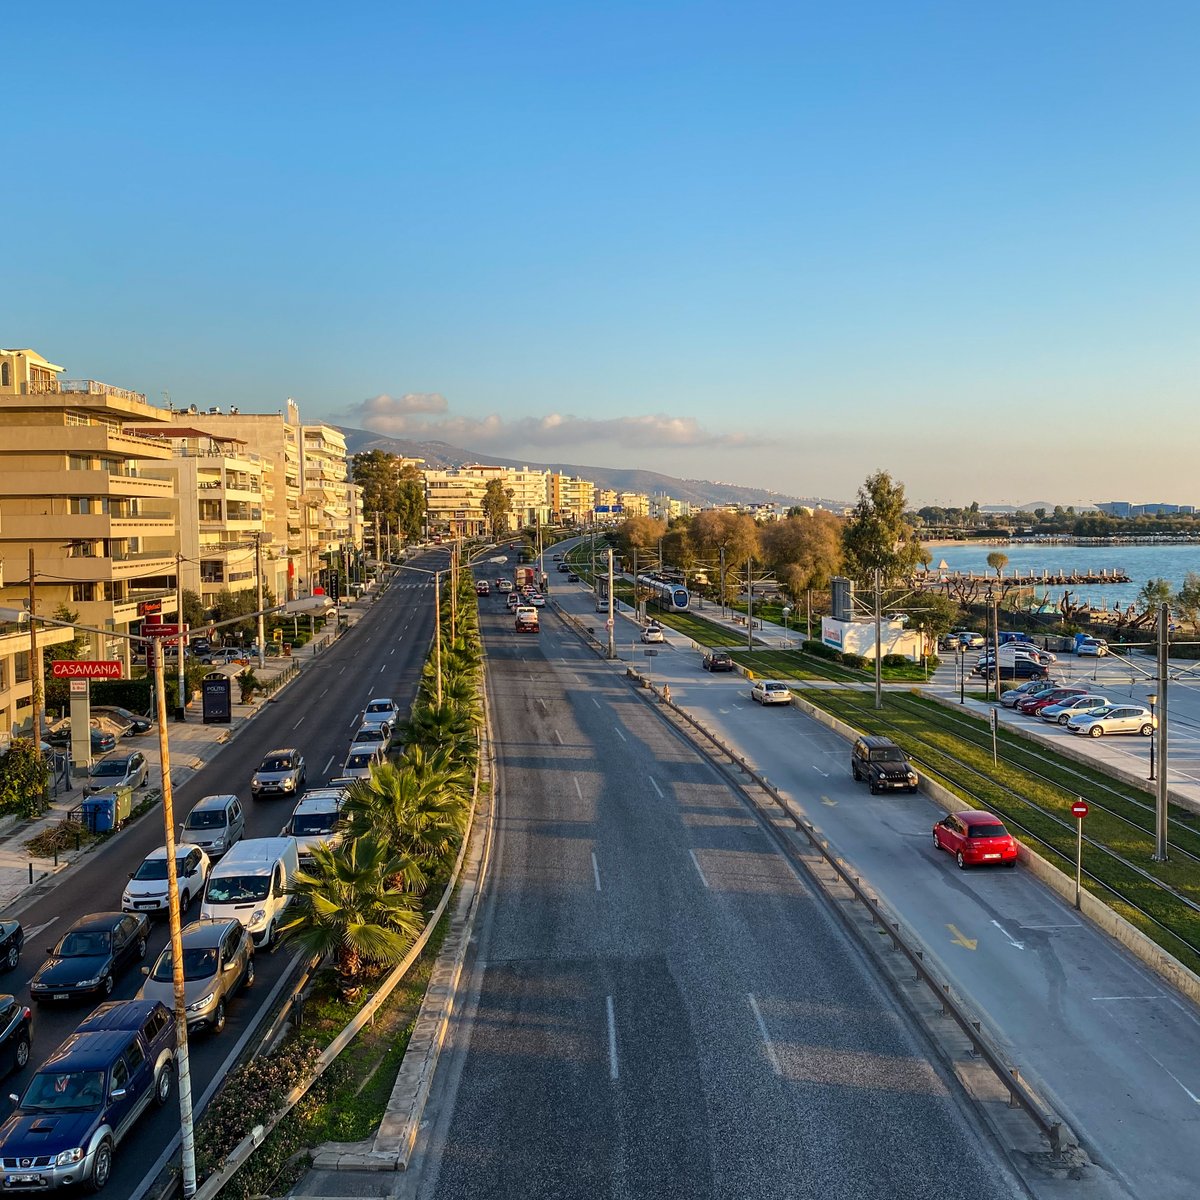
{"x": 444, "y": 724}
{"x": 343, "y": 905}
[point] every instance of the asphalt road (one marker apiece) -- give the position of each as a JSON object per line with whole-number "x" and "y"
{"x": 657, "y": 1006}
{"x": 1115, "y": 1049}
{"x": 381, "y": 656}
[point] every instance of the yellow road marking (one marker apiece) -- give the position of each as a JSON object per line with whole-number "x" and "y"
{"x": 959, "y": 939}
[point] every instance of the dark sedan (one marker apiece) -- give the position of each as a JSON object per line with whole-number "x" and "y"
{"x": 12, "y": 938}
{"x": 16, "y": 1032}
{"x": 89, "y": 956}
{"x": 102, "y": 742}
{"x": 717, "y": 660}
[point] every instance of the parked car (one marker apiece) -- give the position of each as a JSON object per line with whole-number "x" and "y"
{"x": 1030, "y": 688}
{"x": 1032, "y": 705}
{"x": 89, "y": 955}
{"x": 1091, "y": 647}
{"x": 374, "y": 735}
{"x": 281, "y": 773}
{"x": 1072, "y": 706}
{"x": 147, "y": 889}
{"x": 717, "y": 660}
{"x": 882, "y": 764}
{"x": 770, "y": 691}
{"x": 380, "y": 710}
{"x": 118, "y": 770}
{"x": 137, "y": 724}
{"x": 16, "y": 1033}
{"x": 653, "y": 633}
{"x": 218, "y": 961}
{"x": 1022, "y": 668}
{"x": 86, "y": 1097}
{"x": 967, "y": 638}
{"x": 214, "y": 824}
{"x": 975, "y": 838}
{"x": 12, "y": 938}
{"x": 1118, "y": 718}
{"x": 102, "y": 741}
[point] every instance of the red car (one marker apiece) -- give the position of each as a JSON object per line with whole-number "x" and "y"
{"x": 1031, "y": 706}
{"x": 975, "y": 838}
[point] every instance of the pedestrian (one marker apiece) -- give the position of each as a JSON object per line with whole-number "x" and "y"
{"x": 666, "y": 693}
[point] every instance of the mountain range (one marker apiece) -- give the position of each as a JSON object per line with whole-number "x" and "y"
{"x": 698, "y": 492}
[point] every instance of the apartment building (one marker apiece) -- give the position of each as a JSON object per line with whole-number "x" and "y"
{"x": 324, "y": 481}
{"x": 74, "y": 490}
{"x": 219, "y": 508}
{"x": 572, "y": 499}
{"x": 529, "y": 491}
{"x": 454, "y": 503}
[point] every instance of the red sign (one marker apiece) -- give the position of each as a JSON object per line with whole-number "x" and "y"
{"x": 149, "y": 608}
{"x": 153, "y": 629}
{"x": 1079, "y": 809}
{"x": 64, "y": 669}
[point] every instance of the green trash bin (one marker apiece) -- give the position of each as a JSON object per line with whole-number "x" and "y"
{"x": 122, "y": 804}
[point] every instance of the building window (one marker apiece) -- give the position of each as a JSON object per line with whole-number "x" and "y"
{"x": 79, "y": 462}
{"x": 80, "y": 505}
{"x": 81, "y": 592}
{"x": 21, "y": 666}
{"x": 5, "y": 375}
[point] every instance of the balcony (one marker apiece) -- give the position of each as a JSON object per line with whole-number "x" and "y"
{"x": 88, "y": 387}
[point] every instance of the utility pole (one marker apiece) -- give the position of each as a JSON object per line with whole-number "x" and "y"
{"x": 258, "y": 601}
{"x": 996, "y": 632}
{"x": 1161, "y": 814}
{"x": 437, "y": 629}
{"x": 749, "y": 604}
{"x": 878, "y": 638}
{"x": 637, "y": 606}
{"x": 453, "y": 594}
{"x": 35, "y": 660}
{"x": 180, "y": 642}
{"x": 612, "y": 627}
{"x": 378, "y": 555}
{"x": 722, "y": 581}
{"x": 183, "y": 1066}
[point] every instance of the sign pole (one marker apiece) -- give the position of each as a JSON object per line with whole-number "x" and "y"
{"x": 995, "y": 722}
{"x": 1079, "y": 810}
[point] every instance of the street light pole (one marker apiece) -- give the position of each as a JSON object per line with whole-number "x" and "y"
{"x": 878, "y": 639}
{"x": 1152, "y": 701}
{"x": 1161, "y": 814}
{"x": 612, "y": 631}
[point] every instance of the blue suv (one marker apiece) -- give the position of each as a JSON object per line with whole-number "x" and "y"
{"x": 87, "y": 1096}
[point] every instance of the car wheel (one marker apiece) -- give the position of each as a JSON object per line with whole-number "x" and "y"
{"x": 854, "y": 772}
{"x": 873, "y": 788}
{"x": 185, "y": 901}
{"x": 1012, "y": 862}
{"x": 248, "y": 978}
{"x": 218, "y": 1020}
{"x": 106, "y": 985}
{"x": 936, "y": 844}
{"x": 13, "y": 956}
{"x": 1063, "y": 718}
{"x": 1095, "y": 731}
{"x": 21, "y": 1053}
{"x": 962, "y": 862}
{"x": 1145, "y": 731}
{"x": 162, "y": 1085}
{"x": 140, "y": 949}
{"x": 101, "y": 1167}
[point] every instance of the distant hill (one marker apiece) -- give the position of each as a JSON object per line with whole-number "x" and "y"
{"x": 700, "y": 492}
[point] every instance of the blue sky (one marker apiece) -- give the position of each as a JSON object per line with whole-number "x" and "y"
{"x": 783, "y": 244}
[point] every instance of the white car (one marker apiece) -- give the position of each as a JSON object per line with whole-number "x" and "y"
{"x": 513, "y": 600}
{"x": 1073, "y": 706}
{"x": 770, "y": 691}
{"x": 1119, "y": 718}
{"x": 147, "y": 890}
{"x": 380, "y": 711}
{"x": 373, "y": 735}
{"x": 653, "y": 633}
{"x": 536, "y": 599}
{"x": 1092, "y": 648}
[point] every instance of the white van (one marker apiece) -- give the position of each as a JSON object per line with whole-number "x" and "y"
{"x": 250, "y": 885}
{"x": 316, "y": 819}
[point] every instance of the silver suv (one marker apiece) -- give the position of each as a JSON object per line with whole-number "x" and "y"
{"x": 282, "y": 773}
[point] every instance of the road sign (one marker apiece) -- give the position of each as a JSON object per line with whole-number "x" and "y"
{"x": 650, "y": 653}
{"x": 65, "y": 669}
{"x": 155, "y": 629}
{"x": 1079, "y": 809}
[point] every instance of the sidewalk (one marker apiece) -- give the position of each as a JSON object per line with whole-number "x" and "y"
{"x": 191, "y": 744}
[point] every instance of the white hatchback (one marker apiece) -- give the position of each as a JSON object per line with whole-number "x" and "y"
{"x": 147, "y": 888}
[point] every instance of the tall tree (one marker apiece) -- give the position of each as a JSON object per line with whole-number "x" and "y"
{"x": 736, "y": 534}
{"x": 410, "y": 501}
{"x": 877, "y": 536}
{"x": 997, "y": 562}
{"x": 804, "y": 550}
{"x": 375, "y": 471}
{"x": 497, "y": 504}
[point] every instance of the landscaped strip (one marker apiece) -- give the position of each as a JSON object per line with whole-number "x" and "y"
{"x": 955, "y": 750}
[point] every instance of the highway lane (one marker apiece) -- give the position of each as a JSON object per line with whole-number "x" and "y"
{"x": 658, "y": 1006}
{"x": 383, "y": 656}
{"x": 1113, "y": 1047}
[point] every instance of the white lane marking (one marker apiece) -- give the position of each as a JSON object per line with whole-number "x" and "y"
{"x": 578, "y": 790}
{"x": 342, "y": 671}
{"x": 596, "y": 871}
{"x": 595, "y": 701}
{"x": 559, "y": 736}
{"x": 298, "y": 723}
{"x": 1070, "y": 925}
{"x": 543, "y": 704}
{"x": 576, "y": 678}
{"x": 621, "y": 735}
{"x": 655, "y": 786}
{"x": 1103, "y": 998}
{"x": 699, "y": 871}
{"x": 1190, "y": 1094}
{"x": 383, "y": 668}
{"x": 327, "y": 765}
{"x": 762, "y": 1028}
{"x": 1013, "y": 940}
{"x": 392, "y": 650}
{"x": 36, "y": 929}
{"x": 819, "y": 771}
{"x": 353, "y": 723}
{"x": 612, "y": 1038}
{"x": 367, "y": 638}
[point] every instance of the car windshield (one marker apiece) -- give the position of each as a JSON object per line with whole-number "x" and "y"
{"x": 307, "y": 824}
{"x": 210, "y": 818}
{"x": 84, "y": 944}
{"x": 64, "y": 1091}
{"x": 374, "y": 734}
{"x": 276, "y": 764}
{"x": 775, "y": 687}
{"x": 237, "y": 889}
{"x": 115, "y": 767}
{"x": 155, "y": 869}
{"x": 199, "y": 962}
{"x": 987, "y": 831}
{"x": 356, "y": 762}
{"x": 379, "y": 708}
{"x": 888, "y": 754}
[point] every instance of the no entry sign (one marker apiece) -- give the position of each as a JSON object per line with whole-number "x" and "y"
{"x": 1079, "y": 809}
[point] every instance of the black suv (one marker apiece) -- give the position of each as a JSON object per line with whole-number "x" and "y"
{"x": 717, "y": 660}
{"x": 883, "y": 764}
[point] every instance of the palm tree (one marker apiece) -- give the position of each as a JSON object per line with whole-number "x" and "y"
{"x": 344, "y": 905}
{"x": 434, "y": 725}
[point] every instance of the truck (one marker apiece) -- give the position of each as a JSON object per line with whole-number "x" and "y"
{"x": 523, "y": 577}
{"x": 527, "y": 619}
